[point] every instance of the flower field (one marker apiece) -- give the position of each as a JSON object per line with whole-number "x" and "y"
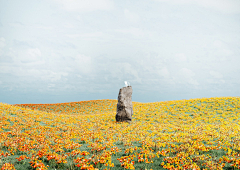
{"x": 183, "y": 134}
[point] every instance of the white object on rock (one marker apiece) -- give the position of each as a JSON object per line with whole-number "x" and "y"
{"x": 126, "y": 83}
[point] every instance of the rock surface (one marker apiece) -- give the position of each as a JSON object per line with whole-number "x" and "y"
{"x": 124, "y": 105}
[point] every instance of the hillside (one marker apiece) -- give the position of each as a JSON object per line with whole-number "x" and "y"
{"x": 196, "y": 133}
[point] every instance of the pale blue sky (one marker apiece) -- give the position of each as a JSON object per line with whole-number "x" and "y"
{"x": 72, "y": 50}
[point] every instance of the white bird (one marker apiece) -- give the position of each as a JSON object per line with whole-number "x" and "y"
{"x": 126, "y": 83}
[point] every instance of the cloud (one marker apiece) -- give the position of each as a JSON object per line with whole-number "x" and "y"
{"x": 226, "y": 6}
{"x": 180, "y": 57}
{"x": 85, "y": 5}
{"x": 131, "y": 16}
{"x": 31, "y": 55}
{"x": 186, "y": 76}
{"x": 27, "y": 65}
{"x": 82, "y": 64}
{"x": 2, "y": 45}
{"x": 164, "y": 72}
{"x": 128, "y": 69}
{"x": 222, "y": 49}
{"x": 86, "y": 35}
{"x": 187, "y": 73}
{"x": 51, "y": 86}
{"x": 34, "y": 53}
{"x": 43, "y": 27}
{"x": 216, "y": 75}
{"x": 16, "y": 24}
{"x": 52, "y": 76}
{"x": 2, "y": 42}
{"x": 20, "y": 54}
{"x": 112, "y": 70}
{"x": 5, "y": 69}
{"x": 219, "y": 51}
{"x": 22, "y": 44}
{"x": 137, "y": 32}
{"x": 5, "y": 59}
{"x": 218, "y": 44}
{"x": 29, "y": 74}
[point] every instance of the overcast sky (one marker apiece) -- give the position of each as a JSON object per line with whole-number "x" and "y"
{"x": 72, "y": 50}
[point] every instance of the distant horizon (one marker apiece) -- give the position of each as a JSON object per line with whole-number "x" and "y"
{"x": 132, "y": 100}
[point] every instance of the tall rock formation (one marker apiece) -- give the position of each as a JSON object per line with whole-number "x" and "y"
{"x": 124, "y": 105}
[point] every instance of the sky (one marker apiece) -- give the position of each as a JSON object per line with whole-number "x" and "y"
{"x": 55, "y": 51}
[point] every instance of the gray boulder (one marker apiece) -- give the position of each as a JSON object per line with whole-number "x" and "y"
{"x": 124, "y": 105}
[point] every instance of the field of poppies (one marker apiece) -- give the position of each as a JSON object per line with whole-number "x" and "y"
{"x": 176, "y": 135}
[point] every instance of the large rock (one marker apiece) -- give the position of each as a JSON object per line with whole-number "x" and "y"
{"x": 124, "y": 106}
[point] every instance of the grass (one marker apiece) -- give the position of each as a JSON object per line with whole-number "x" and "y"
{"x": 184, "y": 134}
